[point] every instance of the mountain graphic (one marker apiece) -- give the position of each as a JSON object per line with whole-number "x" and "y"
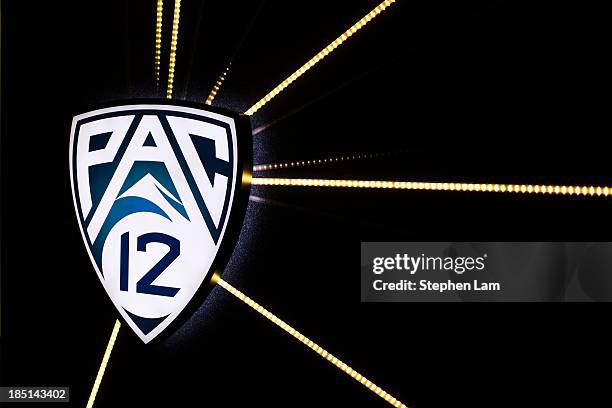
{"x": 142, "y": 192}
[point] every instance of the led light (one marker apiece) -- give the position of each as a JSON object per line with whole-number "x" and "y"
{"x": 105, "y": 358}
{"x": 217, "y": 86}
{"x": 158, "y": 38}
{"x": 319, "y": 56}
{"x": 173, "y": 43}
{"x": 308, "y": 163}
{"x": 436, "y": 186}
{"x": 308, "y": 343}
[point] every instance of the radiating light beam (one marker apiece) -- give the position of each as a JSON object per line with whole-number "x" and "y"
{"x": 217, "y": 86}
{"x": 309, "y": 343}
{"x": 318, "y": 162}
{"x": 173, "y": 44}
{"x": 158, "y": 40}
{"x": 245, "y": 35}
{"x": 319, "y": 56}
{"x": 105, "y": 358}
{"x": 437, "y": 186}
{"x": 309, "y": 103}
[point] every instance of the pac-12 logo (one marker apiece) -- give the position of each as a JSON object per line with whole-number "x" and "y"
{"x": 160, "y": 192}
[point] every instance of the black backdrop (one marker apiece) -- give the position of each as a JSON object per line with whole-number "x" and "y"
{"x": 474, "y": 91}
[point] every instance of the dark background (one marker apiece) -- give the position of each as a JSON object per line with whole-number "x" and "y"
{"x": 474, "y": 91}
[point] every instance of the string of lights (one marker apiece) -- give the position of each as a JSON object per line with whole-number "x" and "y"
{"x": 173, "y": 44}
{"x": 103, "y": 364}
{"x": 318, "y": 162}
{"x": 319, "y": 56}
{"x": 437, "y": 186}
{"x": 217, "y": 86}
{"x": 158, "y": 38}
{"x": 309, "y": 343}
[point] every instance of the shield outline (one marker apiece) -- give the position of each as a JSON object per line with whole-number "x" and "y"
{"x": 234, "y": 218}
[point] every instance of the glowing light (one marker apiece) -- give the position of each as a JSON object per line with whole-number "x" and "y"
{"x": 309, "y": 343}
{"x": 318, "y": 162}
{"x": 173, "y": 43}
{"x": 158, "y": 38}
{"x": 320, "y": 55}
{"x": 216, "y": 87}
{"x": 437, "y": 186}
{"x": 105, "y": 358}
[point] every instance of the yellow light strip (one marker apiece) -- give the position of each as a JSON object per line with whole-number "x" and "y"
{"x": 173, "y": 43}
{"x": 158, "y": 38}
{"x": 309, "y": 343}
{"x": 107, "y": 353}
{"x": 316, "y": 162}
{"x": 318, "y": 57}
{"x": 438, "y": 186}
{"x": 216, "y": 87}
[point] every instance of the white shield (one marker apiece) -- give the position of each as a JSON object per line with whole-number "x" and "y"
{"x": 160, "y": 192}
